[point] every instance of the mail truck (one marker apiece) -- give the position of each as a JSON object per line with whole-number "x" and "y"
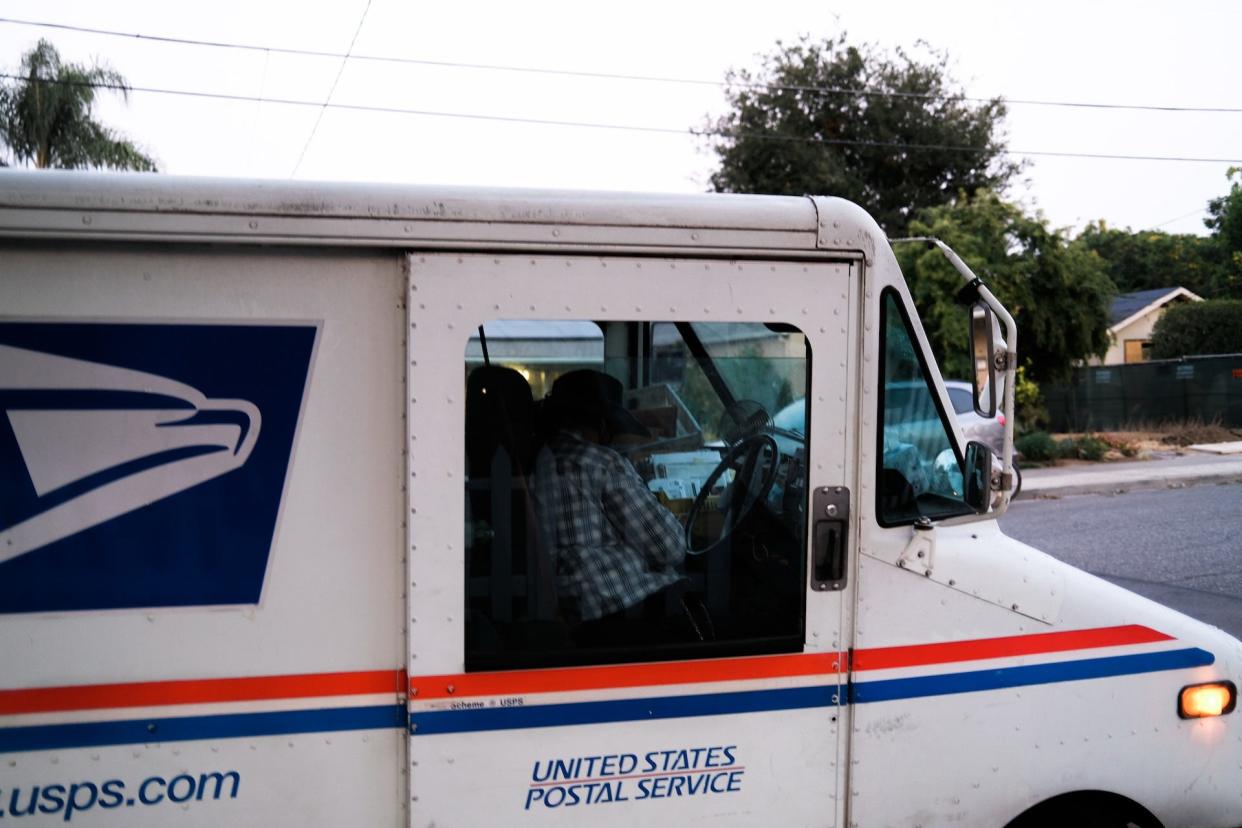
{"x": 331, "y": 504}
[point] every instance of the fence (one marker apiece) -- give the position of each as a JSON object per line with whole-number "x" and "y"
{"x": 1113, "y": 396}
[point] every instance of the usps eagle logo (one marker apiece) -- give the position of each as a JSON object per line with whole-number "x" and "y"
{"x": 143, "y": 465}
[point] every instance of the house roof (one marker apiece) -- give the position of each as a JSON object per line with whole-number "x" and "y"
{"x": 1129, "y": 305}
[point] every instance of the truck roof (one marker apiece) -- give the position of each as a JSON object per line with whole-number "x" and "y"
{"x": 63, "y": 204}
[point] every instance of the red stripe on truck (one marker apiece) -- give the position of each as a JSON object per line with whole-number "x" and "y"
{"x": 200, "y": 691}
{"x": 562, "y": 679}
{"x": 517, "y": 682}
{"x": 883, "y": 658}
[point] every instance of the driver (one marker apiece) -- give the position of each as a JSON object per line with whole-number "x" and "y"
{"x": 615, "y": 547}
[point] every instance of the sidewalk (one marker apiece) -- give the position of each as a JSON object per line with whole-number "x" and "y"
{"x": 1113, "y": 478}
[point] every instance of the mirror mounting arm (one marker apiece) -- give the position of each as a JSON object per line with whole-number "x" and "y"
{"x": 976, "y": 287}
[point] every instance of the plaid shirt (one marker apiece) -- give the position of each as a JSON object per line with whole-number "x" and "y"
{"x": 613, "y": 541}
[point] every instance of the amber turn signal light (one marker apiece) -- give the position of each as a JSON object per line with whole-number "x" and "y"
{"x": 1199, "y": 701}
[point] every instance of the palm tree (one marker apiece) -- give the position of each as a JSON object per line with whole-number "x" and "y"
{"x": 45, "y": 117}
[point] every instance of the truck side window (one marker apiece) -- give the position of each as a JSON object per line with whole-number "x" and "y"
{"x": 920, "y": 473}
{"x": 634, "y": 492}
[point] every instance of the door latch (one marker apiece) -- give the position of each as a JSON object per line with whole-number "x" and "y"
{"x": 830, "y": 549}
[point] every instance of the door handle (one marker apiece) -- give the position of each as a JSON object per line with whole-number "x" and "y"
{"x": 830, "y": 549}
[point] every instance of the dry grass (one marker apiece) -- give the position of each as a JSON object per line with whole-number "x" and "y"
{"x": 1142, "y": 440}
{"x": 1193, "y": 432}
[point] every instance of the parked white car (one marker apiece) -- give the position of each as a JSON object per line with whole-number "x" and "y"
{"x": 987, "y": 430}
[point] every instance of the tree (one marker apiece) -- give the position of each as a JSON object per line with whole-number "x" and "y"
{"x": 1210, "y": 266}
{"x": 1225, "y": 213}
{"x": 887, "y": 132}
{"x": 1057, "y": 292}
{"x": 46, "y": 119}
{"x": 1225, "y": 221}
{"x": 1195, "y": 328}
{"x": 1150, "y": 259}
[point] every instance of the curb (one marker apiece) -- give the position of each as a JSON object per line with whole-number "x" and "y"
{"x": 1116, "y": 487}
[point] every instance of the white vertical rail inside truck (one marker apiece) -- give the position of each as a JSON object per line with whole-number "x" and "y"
{"x": 326, "y": 504}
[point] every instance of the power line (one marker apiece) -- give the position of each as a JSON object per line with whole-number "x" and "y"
{"x": 609, "y": 75}
{"x": 332, "y": 90}
{"x": 704, "y": 133}
{"x": 1179, "y": 218}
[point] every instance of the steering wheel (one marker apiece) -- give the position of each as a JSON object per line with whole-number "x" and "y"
{"x": 754, "y": 478}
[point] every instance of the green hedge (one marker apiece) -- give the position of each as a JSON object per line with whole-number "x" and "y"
{"x": 1037, "y": 447}
{"x": 1195, "y": 328}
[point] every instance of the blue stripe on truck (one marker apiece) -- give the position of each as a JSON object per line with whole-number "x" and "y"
{"x": 621, "y": 710}
{"x": 628, "y": 710}
{"x": 185, "y": 728}
{"x": 1027, "y": 675}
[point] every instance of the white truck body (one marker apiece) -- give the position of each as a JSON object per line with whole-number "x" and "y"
{"x": 234, "y": 587}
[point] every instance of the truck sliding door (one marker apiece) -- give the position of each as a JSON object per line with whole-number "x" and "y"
{"x": 628, "y": 539}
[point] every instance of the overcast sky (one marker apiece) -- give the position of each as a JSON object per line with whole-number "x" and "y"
{"x": 1145, "y": 53}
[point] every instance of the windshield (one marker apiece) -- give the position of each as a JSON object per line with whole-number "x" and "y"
{"x": 734, "y": 376}
{"x": 961, "y": 399}
{"x": 920, "y": 474}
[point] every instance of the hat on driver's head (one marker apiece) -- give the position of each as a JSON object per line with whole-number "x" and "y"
{"x": 593, "y": 395}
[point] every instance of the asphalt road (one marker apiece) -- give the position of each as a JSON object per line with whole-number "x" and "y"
{"x": 1181, "y": 547}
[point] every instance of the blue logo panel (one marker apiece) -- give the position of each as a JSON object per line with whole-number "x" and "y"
{"x": 142, "y": 465}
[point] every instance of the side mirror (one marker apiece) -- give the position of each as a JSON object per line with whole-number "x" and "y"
{"x": 983, "y": 377}
{"x": 977, "y": 477}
